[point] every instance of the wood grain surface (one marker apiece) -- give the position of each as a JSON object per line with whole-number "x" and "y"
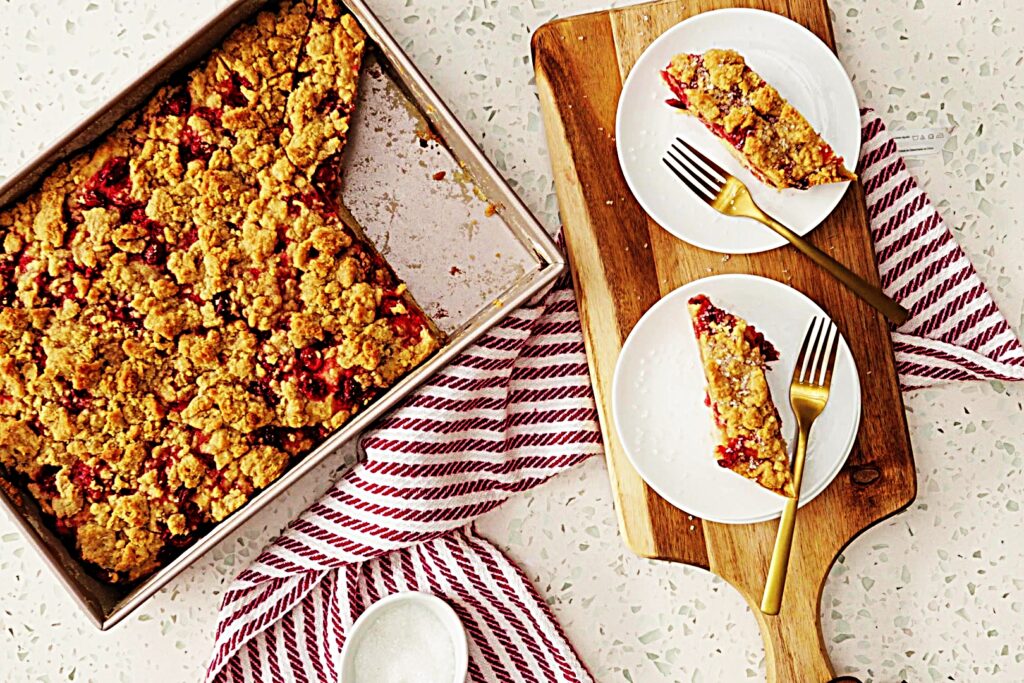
{"x": 623, "y": 262}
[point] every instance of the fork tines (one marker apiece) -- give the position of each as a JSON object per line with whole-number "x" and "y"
{"x": 703, "y": 176}
{"x": 815, "y": 368}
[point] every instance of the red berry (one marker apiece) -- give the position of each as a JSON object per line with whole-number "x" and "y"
{"x": 155, "y": 254}
{"x": 310, "y": 359}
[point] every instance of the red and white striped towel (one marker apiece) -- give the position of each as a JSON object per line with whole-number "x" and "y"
{"x": 513, "y": 411}
{"x": 955, "y": 331}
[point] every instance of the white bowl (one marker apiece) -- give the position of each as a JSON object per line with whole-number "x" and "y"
{"x": 440, "y": 609}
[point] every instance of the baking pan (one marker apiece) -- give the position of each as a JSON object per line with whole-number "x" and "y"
{"x": 425, "y": 194}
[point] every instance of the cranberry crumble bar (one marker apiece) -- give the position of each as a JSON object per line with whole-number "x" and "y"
{"x": 183, "y": 309}
{"x": 735, "y": 358}
{"x": 761, "y": 128}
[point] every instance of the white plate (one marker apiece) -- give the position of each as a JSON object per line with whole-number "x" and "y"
{"x": 667, "y": 431}
{"x": 801, "y": 67}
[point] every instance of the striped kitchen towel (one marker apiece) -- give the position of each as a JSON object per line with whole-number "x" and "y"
{"x": 511, "y": 412}
{"x": 955, "y": 330}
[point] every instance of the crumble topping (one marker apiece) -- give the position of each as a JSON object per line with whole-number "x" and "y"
{"x": 735, "y": 358}
{"x": 183, "y": 312}
{"x": 765, "y": 131}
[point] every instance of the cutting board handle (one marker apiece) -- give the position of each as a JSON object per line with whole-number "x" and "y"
{"x": 794, "y": 647}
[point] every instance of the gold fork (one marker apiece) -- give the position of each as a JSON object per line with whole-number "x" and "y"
{"x": 728, "y": 195}
{"x": 808, "y": 394}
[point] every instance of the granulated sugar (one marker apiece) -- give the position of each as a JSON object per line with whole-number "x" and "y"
{"x": 405, "y": 643}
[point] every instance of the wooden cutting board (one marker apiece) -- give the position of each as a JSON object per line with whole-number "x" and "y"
{"x": 623, "y": 262}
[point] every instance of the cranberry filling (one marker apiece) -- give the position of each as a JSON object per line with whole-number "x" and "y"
{"x": 327, "y": 178}
{"x": 191, "y": 146}
{"x": 8, "y": 281}
{"x": 310, "y": 359}
{"x": 757, "y": 340}
{"x": 275, "y": 437}
{"x": 178, "y": 104}
{"x": 77, "y": 400}
{"x": 735, "y": 138}
{"x": 230, "y": 90}
{"x": 46, "y": 480}
{"x": 154, "y": 254}
{"x": 189, "y": 238}
{"x": 708, "y": 313}
{"x": 39, "y": 356}
{"x": 86, "y": 478}
{"x": 87, "y": 272}
{"x": 111, "y": 185}
{"x": 408, "y": 324}
{"x": 312, "y": 387}
{"x": 179, "y": 405}
{"x": 222, "y": 305}
{"x": 349, "y": 392}
{"x": 734, "y": 452}
{"x": 125, "y": 314}
{"x": 261, "y": 387}
{"x": 680, "y": 101}
{"x": 332, "y": 103}
{"x": 188, "y": 293}
{"x": 139, "y": 218}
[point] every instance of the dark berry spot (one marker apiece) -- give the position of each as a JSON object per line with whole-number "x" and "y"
{"x": 332, "y": 102}
{"x": 111, "y": 185}
{"x": 327, "y": 178}
{"x": 178, "y": 103}
{"x": 349, "y": 392}
{"x": 77, "y": 400}
{"x": 275, "y": 437}
{"x": 8, "y": 281}
{"x": 191, "y": 145}
{"x": 87, "y": 272}
{"x": 310, "y": 359}
{"x": 125, "y": 314}
{"x": 230, "y": 90}
{"x": 222, "y": 305}
{"x": 46, "y": 480}
{"x": 189, "y": 238}
{"x": 261, "y": 387}
{"x": 155, "y": 254}
{"x": 312, "y": 387}
{"x": 409, "y": 324}
{"x": 179, "y": 405}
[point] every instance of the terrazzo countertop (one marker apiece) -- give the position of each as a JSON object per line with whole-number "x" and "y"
{"x": 934, "y": 594}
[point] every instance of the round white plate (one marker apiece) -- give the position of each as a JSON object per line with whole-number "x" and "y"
{"x": 667, "y": 431}
{"x": 801, "y": 67}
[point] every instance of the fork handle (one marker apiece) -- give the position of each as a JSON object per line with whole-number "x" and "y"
{"x": 771, "y": 599}
{"x": 861, "y": 287}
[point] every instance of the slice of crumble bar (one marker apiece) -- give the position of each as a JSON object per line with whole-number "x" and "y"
{"x": 735, "y": 358}
{"x": 761, "y": 128}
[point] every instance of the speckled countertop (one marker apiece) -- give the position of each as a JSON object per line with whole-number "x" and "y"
{"x": 935, "y": 594}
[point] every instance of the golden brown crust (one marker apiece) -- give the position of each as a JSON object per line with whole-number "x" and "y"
{"x": 765, "y": 131}
{"x": 183, "y": 311}
{"x": 748, "y": 428}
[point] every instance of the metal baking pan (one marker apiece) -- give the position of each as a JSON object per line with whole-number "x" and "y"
{"x": 467, "y": 246}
